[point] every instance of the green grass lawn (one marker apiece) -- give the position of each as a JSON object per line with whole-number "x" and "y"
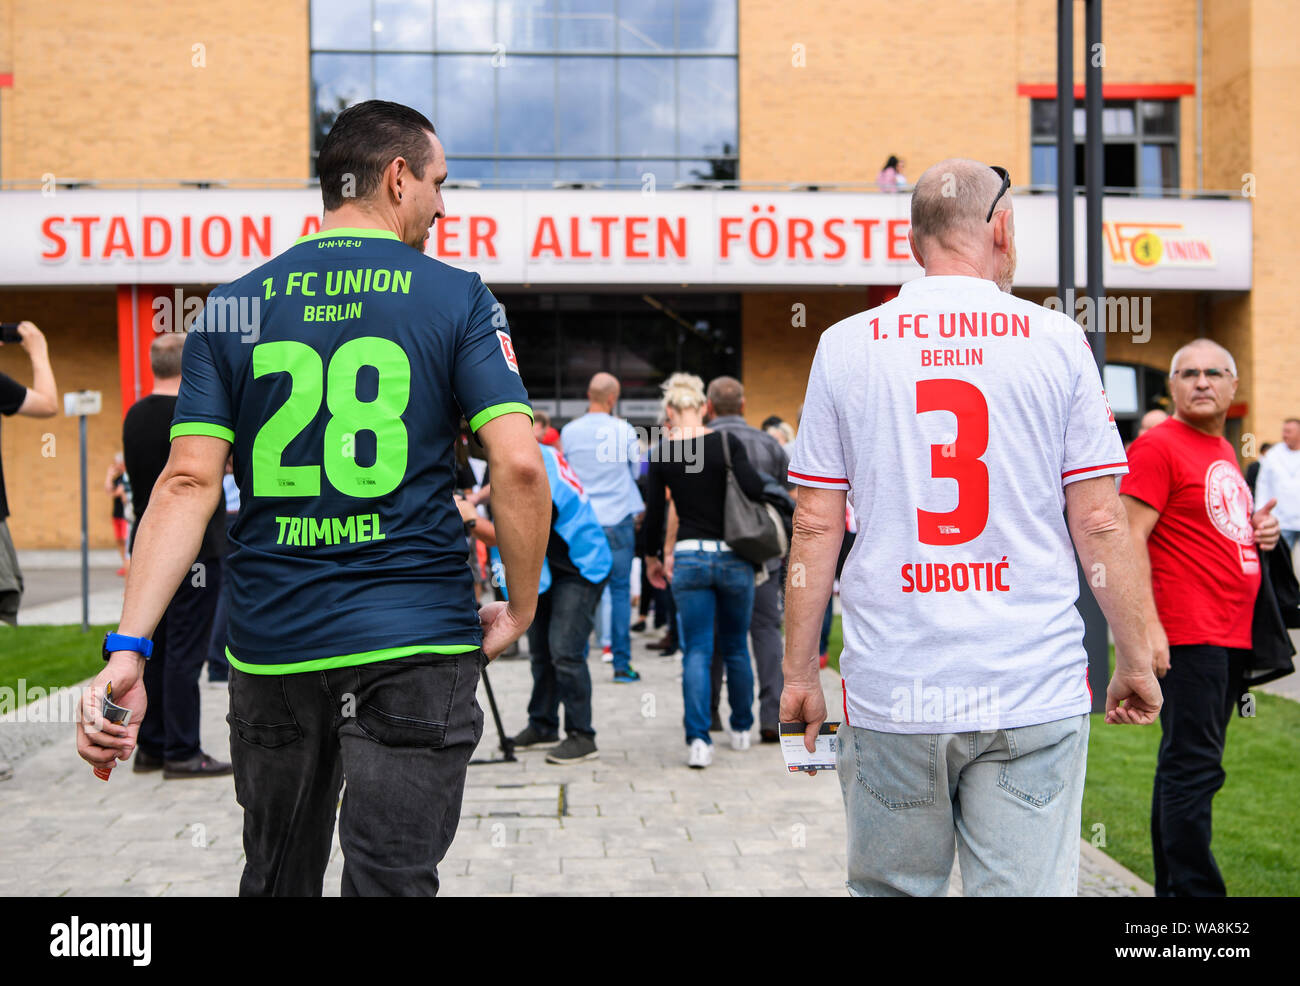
{"x": 1256, "y": 840}
{"x": 50, "y": 657}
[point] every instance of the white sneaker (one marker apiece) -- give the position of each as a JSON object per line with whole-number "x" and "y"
{"x": 607, "y": 656}
{"x": 740, "y": 741}
{"x": 701, "y": 754}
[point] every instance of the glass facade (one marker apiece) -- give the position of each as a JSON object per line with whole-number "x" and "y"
{"x": 529, "y": 93}
{"x": 1140, "y": 138}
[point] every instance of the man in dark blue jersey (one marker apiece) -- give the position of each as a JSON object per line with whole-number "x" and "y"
{"x": 354, "y": 641}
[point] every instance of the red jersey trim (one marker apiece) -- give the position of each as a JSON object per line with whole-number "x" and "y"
{"x": 815, "y": 479}
{"x": 1108, "y": 465}
{"x": 845, "y": 689}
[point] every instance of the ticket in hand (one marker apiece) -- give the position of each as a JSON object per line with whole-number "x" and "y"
{"x": 113, "y": 712}
{"x": 796, "y": 755}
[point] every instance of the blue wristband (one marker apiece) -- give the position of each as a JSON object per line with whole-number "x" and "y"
{"x": 119, "y": 641}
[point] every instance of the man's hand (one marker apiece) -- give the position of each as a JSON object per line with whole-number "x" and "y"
{"x": 806, "y": 704}
{"x": 1133, "y": 698}
{"x": 502, "y": 626}
{"x": 1159, "y": 648}
{"x": 102, "y": 743}
{"x": 33, "y": 340}
{"x": 654, "y": 572}
{"x": 1267, "y": 528}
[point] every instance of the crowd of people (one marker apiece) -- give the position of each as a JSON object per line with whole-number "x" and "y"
{"x": 355, "y": 640}
{"x": 638, "y": 523}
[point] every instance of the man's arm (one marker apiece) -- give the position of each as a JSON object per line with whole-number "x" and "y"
{"x": 1100, "y": 530}
{"x": 1142, "y": 518}
{"x": 166, "y": 544}
{"x": 521, "y": 513}
{"x": 42, "y": 399}
{"x": 814, "y": 550}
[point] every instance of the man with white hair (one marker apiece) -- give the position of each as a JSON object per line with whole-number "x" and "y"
{"x": 965, "y": 425}
{"x": 1193, "y": 524}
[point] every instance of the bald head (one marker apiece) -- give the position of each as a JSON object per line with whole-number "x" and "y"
{"x": 951, "y": 231}
{"x": 603, "y": 390}
{"x": 1203, "y": 347}
{"x": 1154, "y": 417}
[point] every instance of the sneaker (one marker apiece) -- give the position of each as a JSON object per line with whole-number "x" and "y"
{"x": 739, "y": 740}
{"x": 575, "y": 749}
{"x": 624, "y": 677}
{"x": 638, "y": 626}
{"x": 607, "y": 655}
{"x": 531, "y": 737}
{"x": 145, "y": 763}
{"x": 701, "y": 754}
{"x": 201, "y": 765}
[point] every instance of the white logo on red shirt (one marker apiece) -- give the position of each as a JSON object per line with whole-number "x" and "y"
{"x": 508, "y": 350}
{"x": 1228, "y": 502}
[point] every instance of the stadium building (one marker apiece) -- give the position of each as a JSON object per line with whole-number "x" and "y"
{"x": 647, "y": 185}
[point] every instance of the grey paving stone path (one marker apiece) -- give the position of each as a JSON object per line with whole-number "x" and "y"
{"x": 635, "y": 822}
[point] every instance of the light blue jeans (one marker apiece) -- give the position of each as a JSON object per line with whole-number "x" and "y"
{"x": 1009, "y": 800}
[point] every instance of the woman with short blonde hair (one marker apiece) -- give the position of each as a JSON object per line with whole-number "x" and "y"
{"x": 710, "y": 583}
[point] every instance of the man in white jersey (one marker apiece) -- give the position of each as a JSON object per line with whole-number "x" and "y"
{"x": 961, "y": 423}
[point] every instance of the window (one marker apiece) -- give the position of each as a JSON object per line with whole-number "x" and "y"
{"x": 531, "y": 92}
{"x": 1140, "y": 144}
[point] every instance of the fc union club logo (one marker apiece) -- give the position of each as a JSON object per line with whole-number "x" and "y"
{"x": 1228, "y": 502}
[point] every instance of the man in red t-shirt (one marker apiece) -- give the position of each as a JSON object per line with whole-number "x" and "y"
{"x": 1192, "y": 517}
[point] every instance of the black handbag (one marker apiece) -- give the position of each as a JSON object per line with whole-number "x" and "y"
{"x": 1271, "y": 650}
{"x": 752, "y": 530}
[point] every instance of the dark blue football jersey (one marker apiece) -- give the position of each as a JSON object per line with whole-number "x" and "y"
{"x": 340, "y": 371}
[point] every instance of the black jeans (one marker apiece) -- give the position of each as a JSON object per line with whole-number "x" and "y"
{"x": 1201, "y": 690}
{"x": 557, "y": 642}
{"x": 401, "y": 733}
{"x": 170, "y": 728}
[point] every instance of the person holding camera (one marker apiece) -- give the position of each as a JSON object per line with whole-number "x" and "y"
{"x": 40, "y": 400}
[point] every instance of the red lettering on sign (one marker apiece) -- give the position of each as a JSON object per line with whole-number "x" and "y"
{"x": 58, "y": 245}
{"x": 447, "y": 234}
{"x": 118, "y": 239}
{"x": 666, "y": 236}
{"x": 897, "y": 234}
{"x": 249, "y": 233}
{"x": 630, "y": 235}
{"x": 546, "y": 238}
{"x": 148, "y": 248}
{"x": 482, "y": 231}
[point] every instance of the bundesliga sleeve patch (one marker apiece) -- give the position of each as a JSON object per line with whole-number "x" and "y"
{"x": 508, "y": 350}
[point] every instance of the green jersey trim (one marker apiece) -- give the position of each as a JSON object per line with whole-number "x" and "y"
{"x": 348, "y": 660}
{"x": 202, "y": 428}
{"x": 495, "y": 411}
{"x": 348, "y": 232}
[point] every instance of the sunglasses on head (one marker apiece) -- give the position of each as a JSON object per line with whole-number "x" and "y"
{"x": 1006, "y": 183}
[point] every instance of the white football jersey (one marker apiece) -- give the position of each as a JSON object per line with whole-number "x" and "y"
{"x": 954, "y": 416}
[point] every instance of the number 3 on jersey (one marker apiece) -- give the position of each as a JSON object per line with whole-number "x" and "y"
{"x": 308, "y": 384}
{"x": 959, "y": 460}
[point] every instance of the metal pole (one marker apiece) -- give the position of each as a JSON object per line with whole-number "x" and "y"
{"x": 1096, "y": 636}
{"x": 1065, "y": 153}
{"x": 85, "y": 535}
